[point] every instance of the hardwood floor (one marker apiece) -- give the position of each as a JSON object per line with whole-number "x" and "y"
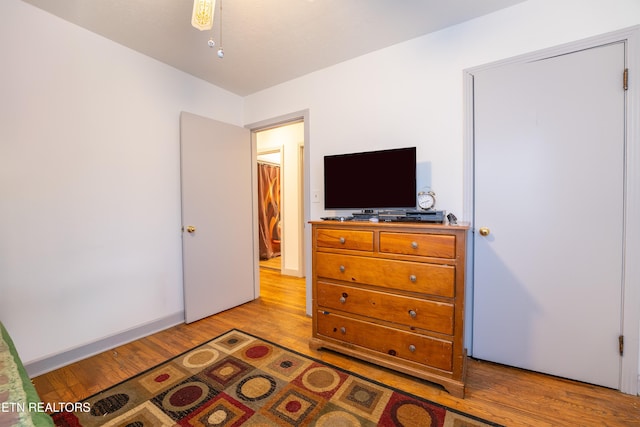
{"x": 274, "y": 263}
{"x": 509, "y": 396}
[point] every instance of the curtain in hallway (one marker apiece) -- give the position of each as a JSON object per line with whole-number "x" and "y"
{"x": 269, "y": 210}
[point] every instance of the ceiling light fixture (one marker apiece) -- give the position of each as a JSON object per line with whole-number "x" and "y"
{"x": 202, "y": 17}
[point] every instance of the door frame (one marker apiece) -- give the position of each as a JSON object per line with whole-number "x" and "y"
{"x": 304, "y": 232}
{"x": 630, "y": 324}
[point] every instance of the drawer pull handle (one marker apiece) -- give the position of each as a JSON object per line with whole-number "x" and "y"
{"x": 343, "y": 300}
{"x": 413, "y": 278}
{"x": 342, "y": 269}
{"x": 414, "y": 245}
{"x": 412, "y": 348}
{"x": 342, "y": 240}
{"x": 343, "y": 330}
{"x": 413, "y": 314}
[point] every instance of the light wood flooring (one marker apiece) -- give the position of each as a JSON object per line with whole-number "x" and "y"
{"x": 509, "y": 396}
{"x": 274, "y": 263}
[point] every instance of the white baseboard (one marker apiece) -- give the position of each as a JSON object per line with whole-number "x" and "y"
{"x": 56, "y": 361}
{"x": 290, "y": 272}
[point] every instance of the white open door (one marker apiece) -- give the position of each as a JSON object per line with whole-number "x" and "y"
{"x": 549, "y": 161}
{"x": 217, "y": 216}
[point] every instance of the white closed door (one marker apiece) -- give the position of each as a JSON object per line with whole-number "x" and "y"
{"x": 548, "y": 195}
{"x": 217, "y": 215}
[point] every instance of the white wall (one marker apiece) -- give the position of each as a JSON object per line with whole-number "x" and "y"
{"x": 90, "y": 241}
{"x": 289, "y": 138}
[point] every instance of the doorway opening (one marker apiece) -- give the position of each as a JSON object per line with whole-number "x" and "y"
{"x": 280, "y": 189}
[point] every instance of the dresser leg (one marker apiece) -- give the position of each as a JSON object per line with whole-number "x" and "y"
{"x": 455, "y": 390}
{"x": 315, "y": 344}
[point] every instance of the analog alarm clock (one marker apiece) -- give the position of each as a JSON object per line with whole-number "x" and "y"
{"x": 426, "y": 200}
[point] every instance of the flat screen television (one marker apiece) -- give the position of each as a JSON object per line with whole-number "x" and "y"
{"x": 384, "y": 179}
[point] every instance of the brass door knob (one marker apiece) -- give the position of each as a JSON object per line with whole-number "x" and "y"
{"x": 484, "y": 231}
{"x": 191, "y": 229}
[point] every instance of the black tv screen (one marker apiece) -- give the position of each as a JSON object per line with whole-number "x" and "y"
{"x": 382, "y": 179}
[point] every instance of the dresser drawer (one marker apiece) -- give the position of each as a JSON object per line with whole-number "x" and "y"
{"x": 432, "y": 279}
{"x": 344, "y": 239}
{"x": 392, "y": 342}
{"x": 429, "y": 245}
{"x": 414, "y": 312}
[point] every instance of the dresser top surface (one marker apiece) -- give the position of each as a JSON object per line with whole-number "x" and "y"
{"x": 392, "y": 224}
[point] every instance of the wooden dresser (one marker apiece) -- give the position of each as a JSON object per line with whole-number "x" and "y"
{"x": 392, "y": 294}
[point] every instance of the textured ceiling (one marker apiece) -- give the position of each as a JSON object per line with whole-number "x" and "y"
{"x": 266, "y": 42}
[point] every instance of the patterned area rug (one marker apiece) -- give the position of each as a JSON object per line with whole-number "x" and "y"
{"x": 239, "y": 379}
